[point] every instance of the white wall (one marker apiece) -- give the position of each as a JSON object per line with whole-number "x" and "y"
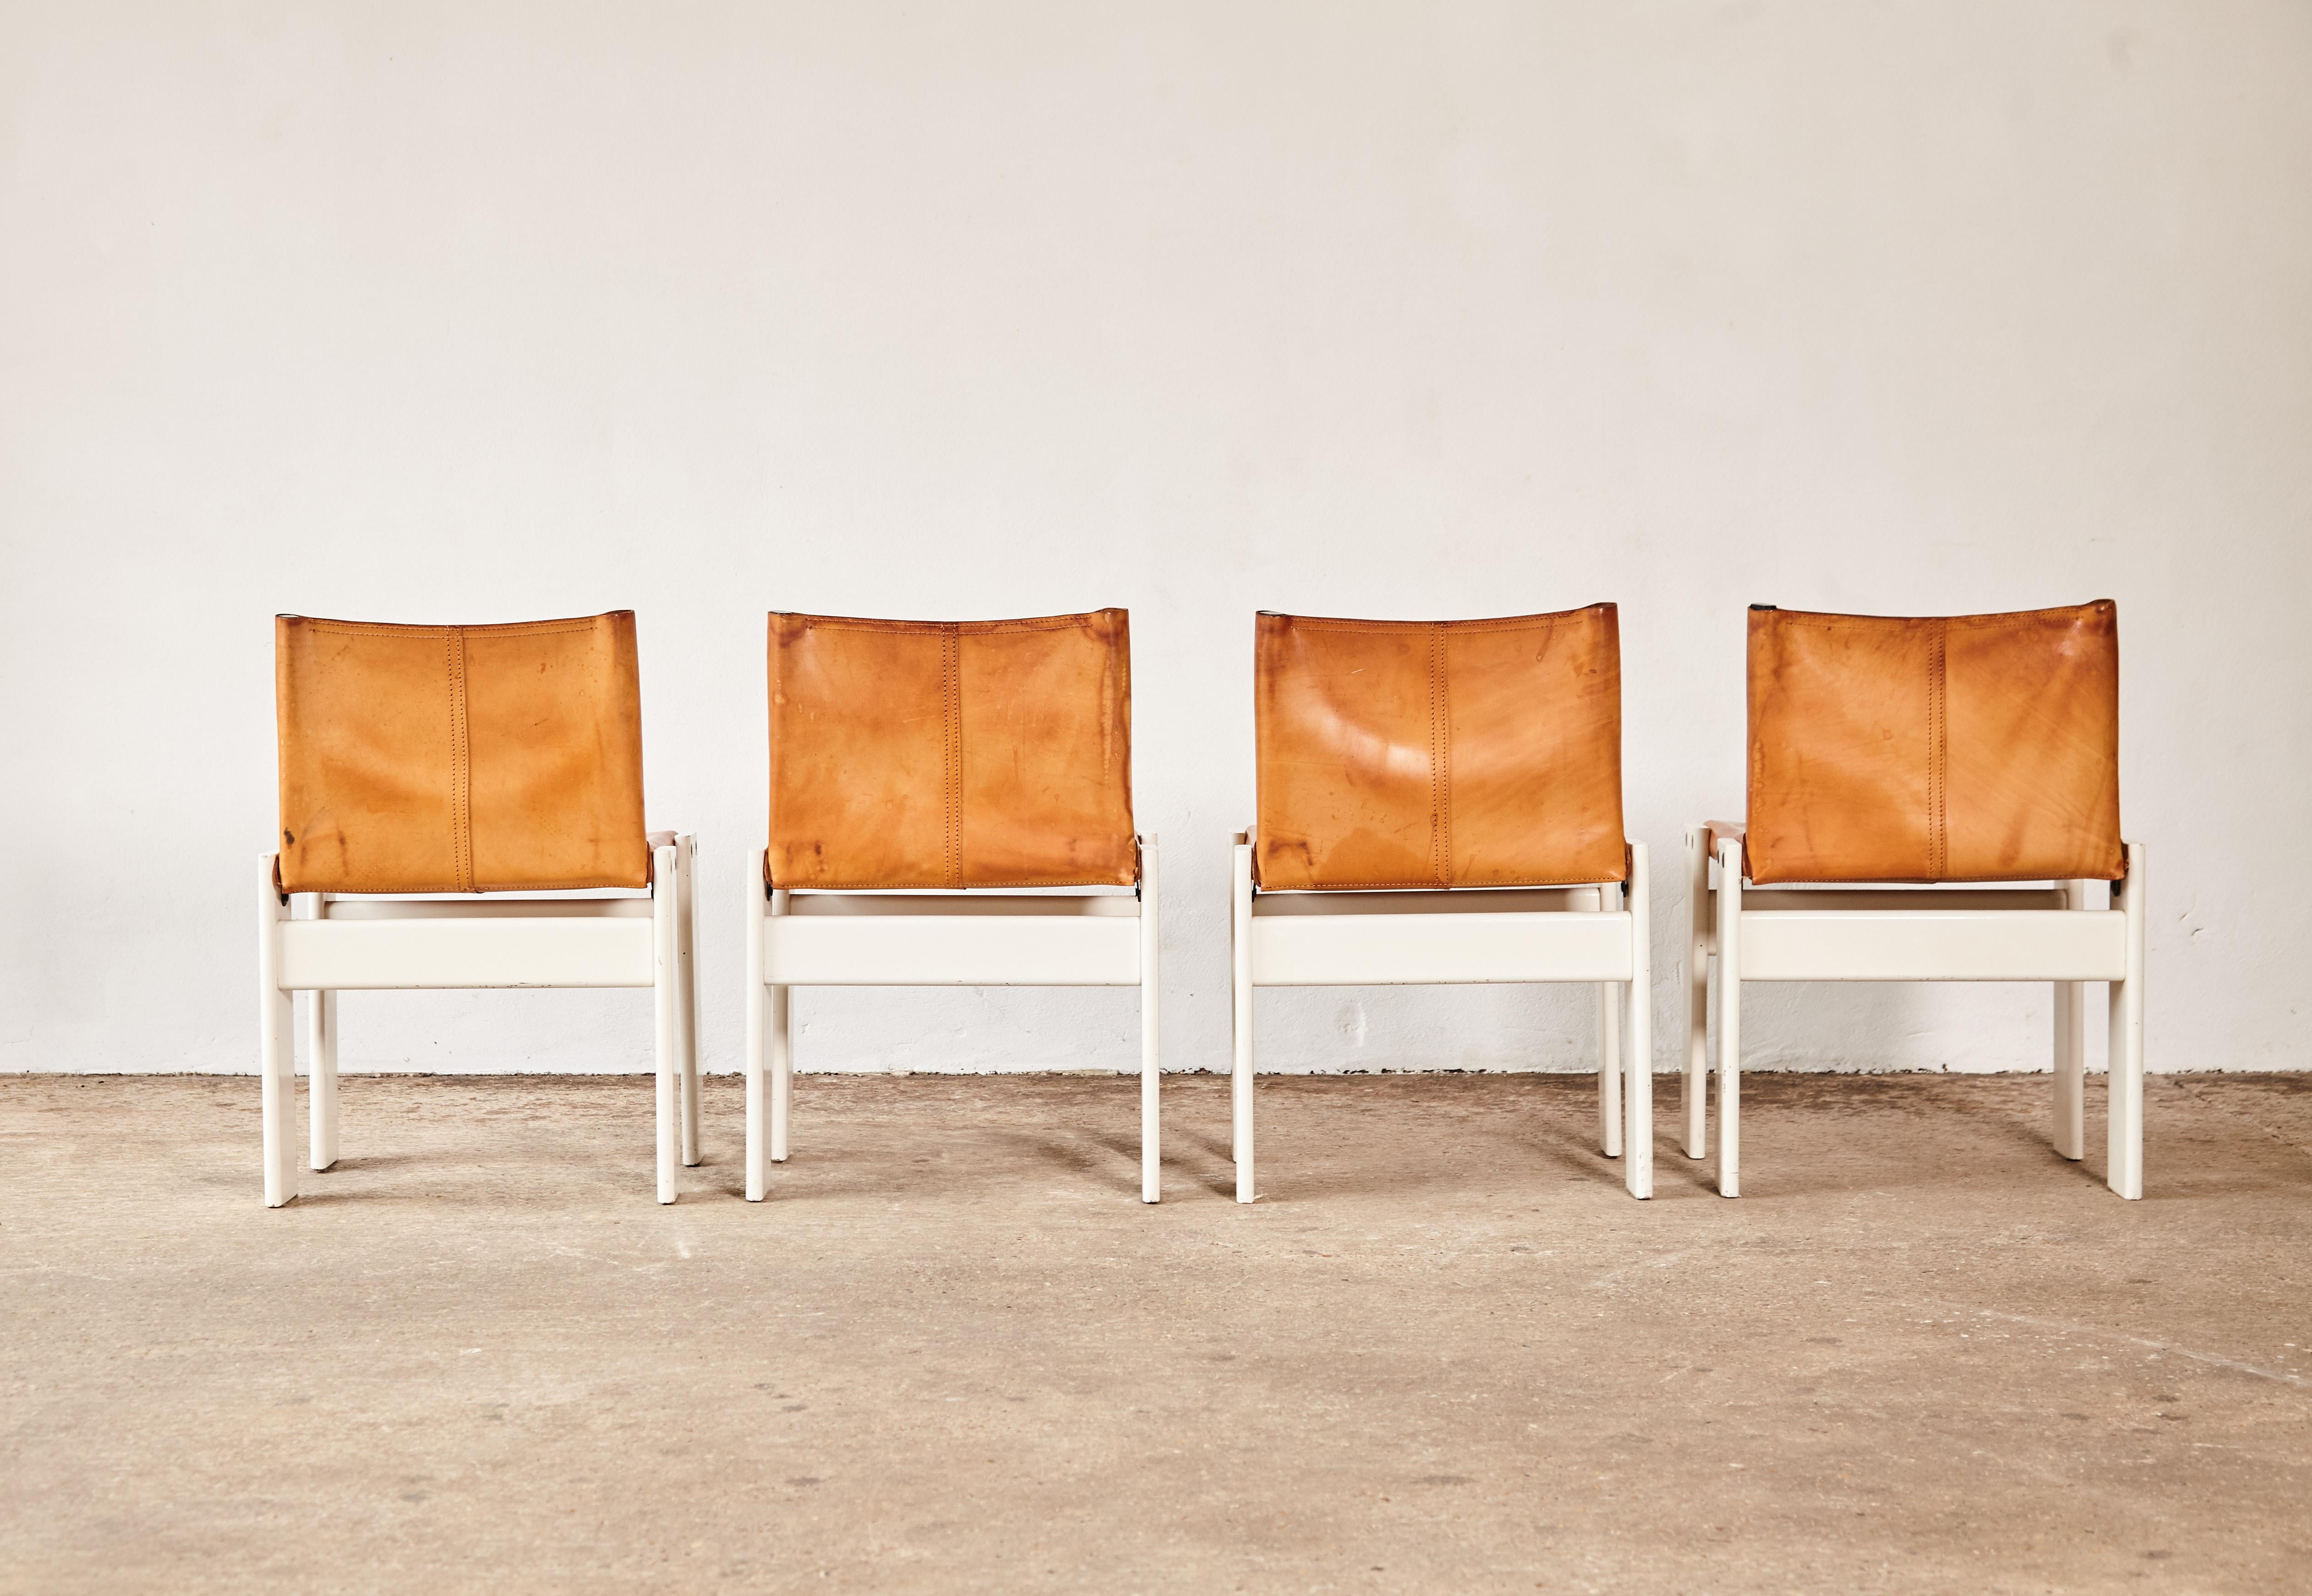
{"x": 467, "y": 312}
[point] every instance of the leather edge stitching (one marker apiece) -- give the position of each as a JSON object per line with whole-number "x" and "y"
{"x": 495, "y": 629}
{"x": 927, "y": 628}
{"x": 1504, "y": 623}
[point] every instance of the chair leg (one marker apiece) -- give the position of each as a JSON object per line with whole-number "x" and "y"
{"x": 1729, "y": 1019}
{"x": 2070, "y": 1127}
{"x": 1693, "y": 1084}
{"x": 277, "y": 1058}
{"x": 1152, "y": 1116}
{"x": 1637, "y": 1032}
{"x": 666, "y": 990}
{"x": 1609, "y": 1051}
{"x": 1611, "y": 1001}
{"x": 2125, "y": 1128}
{"x": 321, "y": 1079}
{"x": 755, "y": 894}
{"x": 782, "y": 1028}
{"x": 1240, "y": 1074}
{"x": 687, "y": 994}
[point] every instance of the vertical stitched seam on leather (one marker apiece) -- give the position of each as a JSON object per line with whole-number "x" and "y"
{"x": 1441, "y": 789}
{"x": 951, "y": 741}
{"x": 1444, "y": 759}
{"x": 1937, "y": 754}
{"x": 461, "y": 807}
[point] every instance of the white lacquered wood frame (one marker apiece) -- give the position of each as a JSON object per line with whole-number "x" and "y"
{"x": 1595, "y": 935}
{"x": 961, "y": 938}
{"x": 484, "y": 940}
{"x": 1916, "y": 933}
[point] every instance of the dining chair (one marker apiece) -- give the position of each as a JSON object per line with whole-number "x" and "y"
{"x": 1439, "y": 803}
{"x": 435, "y": 781}
{"x": 950, "y": 804}
{"x": 1930, "y": 799}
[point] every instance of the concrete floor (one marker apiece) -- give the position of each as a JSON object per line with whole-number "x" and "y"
{"x": 953, "y": 1353}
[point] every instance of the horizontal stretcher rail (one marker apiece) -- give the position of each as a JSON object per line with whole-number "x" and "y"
{"x": 955, "y": 906}
{"x": 1926, "y": 945}
{"x": 1451, "y": 949}
{"x": 971, "y": 949}
{"x": 1519, "y": 900}
{"x": 480, "y": 950}
{"x": 372, "y": 908}
{"x": 1816, "y": 899}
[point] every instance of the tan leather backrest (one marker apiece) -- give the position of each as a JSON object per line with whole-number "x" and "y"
{"x": 930, "y": 753}
{"x": 1950, "y": 748}
{"x": 437, "y": 759}
{"x": 1426, "y": 754}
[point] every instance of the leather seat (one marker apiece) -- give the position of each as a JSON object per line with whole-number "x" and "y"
{"x": 459, "y": 759}
{"x": 930, "y": 753}
{"x": 1947, "y": 748}
{"x": 1439, "y": 754}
